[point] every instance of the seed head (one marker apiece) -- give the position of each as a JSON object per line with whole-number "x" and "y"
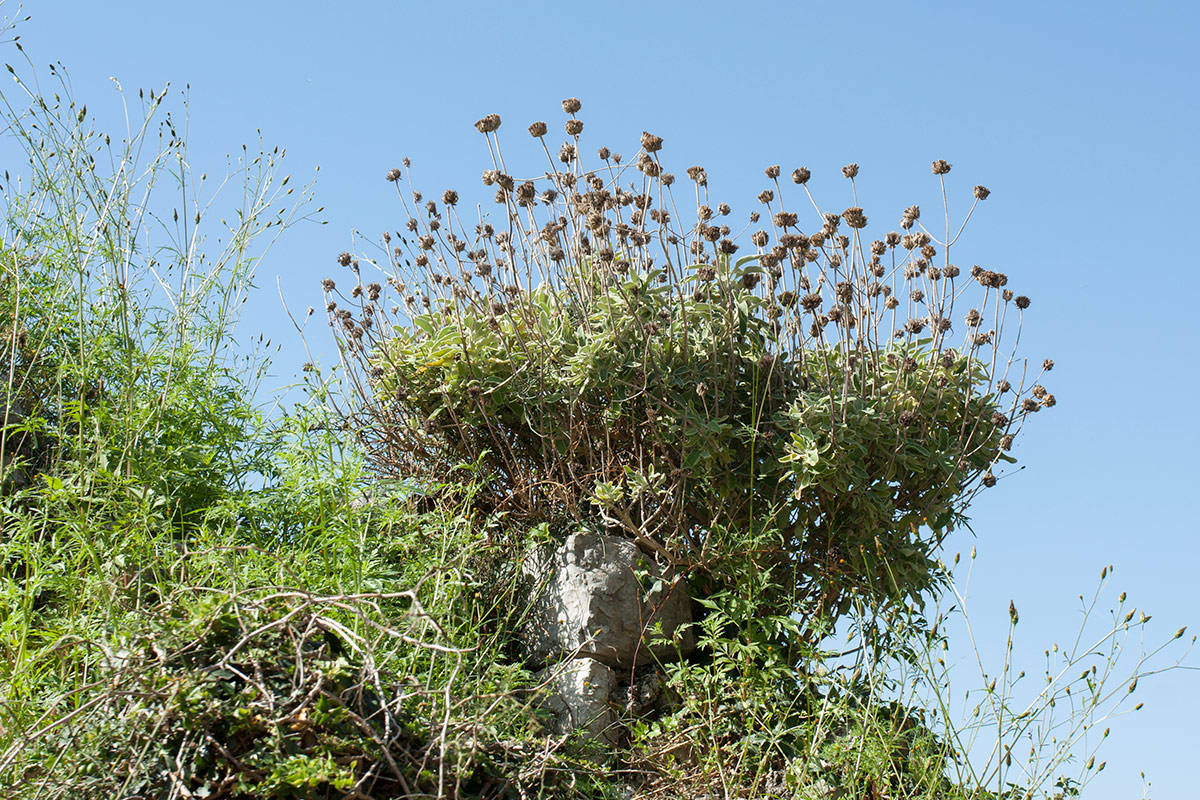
{"x": 450, "y": 197}
{"x": 488, "y": 124}
{"x": 892, "y": 239}
{"x": 604, "y": 153}
{"x": 537, "y": 130}
{"x": 651, "y": 143}
{"x": 941, "y": 167}
{"x": 723, "y": 209}
{"x": 1048, "y": 365}
{"x": 907, "y": 419}
{"x": 706, "y": 274}
{"x": 772, "y": 172}
{"x": 950, "y": 271}
{"x": 801, "y": 175}
{"x": 850, "y": 170}
{"x": 571, "y": 105}
{"x": 854, "y": 217}
{"x": 328, "y": 285}
{"x": 393, "y": 174}
{"x": 982, "y": 192}
{"x": 344, "y": 259}
{"x": 759, "y": 238}
{"x": 574, "y": 127}
{"x": 1022, "y": 302}
{"x": 785, "y": 219}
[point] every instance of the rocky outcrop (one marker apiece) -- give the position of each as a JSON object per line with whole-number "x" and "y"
{"x": 598, "y": 608}
{"x": 601, "y": 597}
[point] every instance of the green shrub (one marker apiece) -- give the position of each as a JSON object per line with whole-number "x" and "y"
{"x": 608, "y": 362}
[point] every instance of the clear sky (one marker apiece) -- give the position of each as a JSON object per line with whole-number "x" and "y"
{"x": 1081, "y": 117}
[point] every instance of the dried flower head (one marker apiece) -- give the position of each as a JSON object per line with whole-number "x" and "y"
{"x": 344, "y": 259}
{"x": 328, "y": 285}
{"x": 785, "y": 219}
{"x": 772, "y": 172}
{"x": 604, "y": 153}
{"x": 650, "y": 142}
{"x": 1048, "y": 365}
{"x": 941, "y": 167}
{"x": 850, "y": 170}
{"x": 488, "y": 124}
{"x": 854, "y": 217}
{"x": 571, "y": 105}
{"x": 982, "y": 192}
{"x": 801, "y": 175}
{"x": 723, "y": 209}
{"x": 393, "y": 174}
{"x": 450, "y": 197}
{"x": 988, "y": 479}
{"x": 1003, "y": 386}
{"x": 1022, "y": 302}
{"x": 766, "y": 196}
{"x": 574, "y": 127}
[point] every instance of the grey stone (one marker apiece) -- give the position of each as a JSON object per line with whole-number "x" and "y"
{"x": 601, "y": 596}
{"x": 578, "y": 695}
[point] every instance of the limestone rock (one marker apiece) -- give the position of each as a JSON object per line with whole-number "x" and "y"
{"x": 600, "y": 596}
{"x": 578, "y": 694}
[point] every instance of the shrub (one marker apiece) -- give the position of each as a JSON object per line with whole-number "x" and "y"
{"x": 818, "y": 407}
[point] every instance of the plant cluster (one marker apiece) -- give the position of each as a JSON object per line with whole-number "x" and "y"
{"x": 198, "y": 603}
{"x": 827, "y": 402}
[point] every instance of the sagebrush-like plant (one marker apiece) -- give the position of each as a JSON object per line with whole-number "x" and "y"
{"x": 822, "y": 403}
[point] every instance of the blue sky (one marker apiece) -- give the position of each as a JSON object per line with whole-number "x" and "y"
{"x": 1080, "y": 117}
